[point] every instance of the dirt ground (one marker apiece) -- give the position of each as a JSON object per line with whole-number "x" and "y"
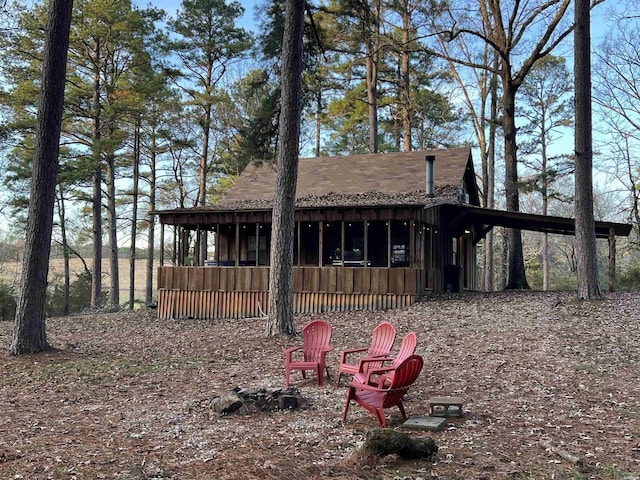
{"x": 126, "y": 396}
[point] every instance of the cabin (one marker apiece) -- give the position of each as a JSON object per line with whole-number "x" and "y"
{"x": 371, "y": 232}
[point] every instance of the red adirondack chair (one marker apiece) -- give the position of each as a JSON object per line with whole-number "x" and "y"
{"x": 316, "y": 339}
{"x": 382, "y": 340}
{"x": 373, "y": 370}
{"x": 377, "y": 398}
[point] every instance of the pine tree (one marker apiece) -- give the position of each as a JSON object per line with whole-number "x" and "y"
{"x": 29, "y": 335}
{"x": 281, "y": 271}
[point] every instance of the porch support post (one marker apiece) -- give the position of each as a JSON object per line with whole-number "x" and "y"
{"x": 342, "y": 242}
{"x": 389, "y": 243}
{"x": 257, "y": 243}
{"x": 298, "y": 245}
{"x": 176, "y": 245}
{"x": 612, "y": 260}
{"x": 422, "y": 234}
{"x": 412, "y": 243}
{"x": 184, "y": 245}
{"x": 217, "y": 244}
{"x": 366, "y": 244}
{"x": 320, "y": 241}
{"x": 162, "y": 244}
{"x": 237, "y": 244}
{"x": 198, "y": 260}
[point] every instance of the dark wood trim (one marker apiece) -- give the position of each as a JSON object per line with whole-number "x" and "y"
{"x": 192, "y": 219}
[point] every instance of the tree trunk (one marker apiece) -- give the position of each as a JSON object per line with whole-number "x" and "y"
{"x": 151, "y": 219}
{"x": 545, "y": 211}
{"x": 201, "y": 247}
{"x": 371, "y": 63}
{"x": 405, "y": 80}
{"x": 134, "y": 214}
{"x": 489, "y": 179}
{"x": 372, "y": 100}
{"x": 114, "y": 273}
{"x": 318, "y": 121}
{"x": 517, "y": 277}
{"x": 504, "y": 258}
{"x": 586, "y": 258}
{"x": 96, "y": 273}
{"x": 29, "y": 334}
{"x": 281, "y": 272}
{"x": 65, "y": 252}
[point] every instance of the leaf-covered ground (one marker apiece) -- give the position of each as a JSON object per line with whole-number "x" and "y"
{"x": 126, "y": 396}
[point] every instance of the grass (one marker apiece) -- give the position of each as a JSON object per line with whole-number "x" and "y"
{"x": 10, "y": 272}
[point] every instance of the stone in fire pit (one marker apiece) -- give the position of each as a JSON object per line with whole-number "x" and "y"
{"x": 265, "y": 400}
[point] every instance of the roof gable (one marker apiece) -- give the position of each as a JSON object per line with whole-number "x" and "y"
{"x": 387, "y": 178}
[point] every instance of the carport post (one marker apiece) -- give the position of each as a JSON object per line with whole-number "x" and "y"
{"x": 612, "y": 260}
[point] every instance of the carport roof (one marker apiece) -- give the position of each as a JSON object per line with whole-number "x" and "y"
{"x": 466, "y": 215}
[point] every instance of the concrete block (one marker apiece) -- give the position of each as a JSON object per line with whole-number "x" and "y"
{"x": 431, "y": 424}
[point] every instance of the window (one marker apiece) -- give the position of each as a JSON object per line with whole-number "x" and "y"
{"x": 377, "y": 248}
{"x": 331, "y": 243}
{"x": 400, "y": 244}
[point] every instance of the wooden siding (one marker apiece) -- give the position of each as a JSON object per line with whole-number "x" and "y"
{"x": 305, "y": 279}
{"x": 235, "y": 304}
{"x": 229, "y": 292}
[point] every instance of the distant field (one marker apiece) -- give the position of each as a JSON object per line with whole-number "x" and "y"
{"x": 10, "y": 273}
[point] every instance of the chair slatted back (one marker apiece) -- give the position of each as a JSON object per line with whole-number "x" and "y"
{"x": 405, "y": 375}
{"x": 382, "y": 339}
{"x": 407, "y": 348}
{"x": 316, "y": 338}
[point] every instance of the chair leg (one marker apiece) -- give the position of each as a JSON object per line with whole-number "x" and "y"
{"x": 382, "y": 421}
{"x": 339, "y": 375}
{"x": 287, "y": 374}
{"x": 350, "y": 393}
{"x": 320, "y": 374}
{"x": 401, "y": 407}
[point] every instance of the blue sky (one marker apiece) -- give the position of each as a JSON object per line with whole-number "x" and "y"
{"x": 172, "y": 6}
{"x": 599, "y": 24}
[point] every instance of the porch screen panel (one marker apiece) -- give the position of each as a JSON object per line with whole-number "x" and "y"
{"x": 400, "y": 244}
{"x": 353, "y": 254}
{"x": 377, "y": 248}
{"x": 331, "y": 242}
{"x": 309, "y": 243}
{"x": 227, "y": 240}
{"x": 429, "y": 257}
{"x": 263, "y": 245}
{"x": 247, "y": 245}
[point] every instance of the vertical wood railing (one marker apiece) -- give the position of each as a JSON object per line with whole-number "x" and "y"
{"x": 237, "y": 292}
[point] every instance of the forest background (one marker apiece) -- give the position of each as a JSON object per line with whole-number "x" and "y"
{"x": 165, "y": 108}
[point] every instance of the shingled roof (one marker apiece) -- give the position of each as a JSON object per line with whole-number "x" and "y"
{"x": 355, "y": 180}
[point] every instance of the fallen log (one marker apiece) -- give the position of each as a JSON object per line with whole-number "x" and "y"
{"x": 546, "y": 444}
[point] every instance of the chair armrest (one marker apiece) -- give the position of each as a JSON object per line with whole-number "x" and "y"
{"x": 381, "y": 370}
{"x": 375, "y": 372}
{"x": 289, "y": 351}
{"x": 364, "y": 361}
{"x": 380, "y": 359}
{"x": 344, "y": 353}
{"x": 325, "y": 350}
{"x": 366, "y": 386}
